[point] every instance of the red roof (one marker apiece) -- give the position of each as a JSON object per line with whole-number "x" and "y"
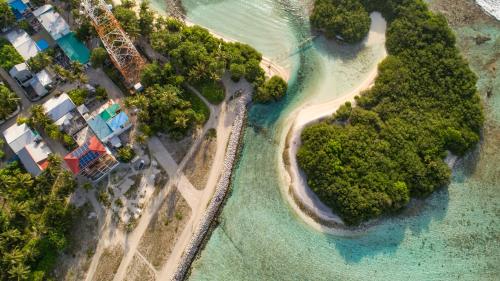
{"x": 73, "y": 158}
{"x": 73, "y": 163}
{"x": 96, "y": 145}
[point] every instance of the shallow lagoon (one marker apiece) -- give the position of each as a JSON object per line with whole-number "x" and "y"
{"x": 453, "y": 235}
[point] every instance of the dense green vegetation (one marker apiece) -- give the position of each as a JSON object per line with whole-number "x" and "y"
{"x": 8, "y": 55}
{"x": 370, "y": 159}
{"x": 34, "y": 220}
{"x": 195, "y": 57}
{"x": 126, "y": 154}
{"x": 8, "y": 102}
{"x": 98, "y": 56}
{"x": 7, "y": 17}
{"x": 272, "y": 90}
{"x": 345, "y": 18}
{"x": 213, "y": 91}
{"x": 40, "y": 61}
{"x": 163, "y": 110}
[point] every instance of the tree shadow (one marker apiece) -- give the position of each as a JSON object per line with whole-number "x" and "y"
{"x": 386, "y": 235}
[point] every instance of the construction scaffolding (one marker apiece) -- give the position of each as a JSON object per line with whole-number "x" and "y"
{"x": 121, "y": 50}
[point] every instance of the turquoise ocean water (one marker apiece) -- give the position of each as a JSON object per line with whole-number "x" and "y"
{"x": 453, "y": 235}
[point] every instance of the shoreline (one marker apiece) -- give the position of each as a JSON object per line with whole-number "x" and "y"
{"x": 271, "y": 68}
{"x": 301, "y": 198}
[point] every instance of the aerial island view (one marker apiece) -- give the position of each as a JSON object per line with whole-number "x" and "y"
{"x": 249, "y": 140}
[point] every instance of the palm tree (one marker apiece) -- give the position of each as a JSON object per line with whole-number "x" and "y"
{"x": 8, "y": 102}
{"x": 19, "y": 272}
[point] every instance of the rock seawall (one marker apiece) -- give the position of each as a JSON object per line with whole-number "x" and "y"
{"x": 219, "y": 195}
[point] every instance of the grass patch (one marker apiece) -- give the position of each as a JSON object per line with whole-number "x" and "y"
{"x": 198, "y": 105}
{"x": 213, "y": 91}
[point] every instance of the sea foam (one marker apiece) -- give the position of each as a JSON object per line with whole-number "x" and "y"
{"x": 492, "y": 7}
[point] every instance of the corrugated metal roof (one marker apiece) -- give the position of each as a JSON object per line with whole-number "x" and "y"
{"x": 118, "y": 122}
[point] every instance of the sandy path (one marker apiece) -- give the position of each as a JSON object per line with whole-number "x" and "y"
{"x": 223, "y": 126}
{"x": 308, "y": 114}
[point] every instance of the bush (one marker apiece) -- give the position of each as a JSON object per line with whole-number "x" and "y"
{"x": 101, "y": 93}
{"x": 345, "y": 18}
{"x": 98, "y": 57}
{"x": 78, "y": 96}
{"x": 8, "y": 55}
{"x": 40, "y": 61}
{"x": 272, "y": 90}
{"x": 126, "y": 154}
{"x": 8, "y": 102}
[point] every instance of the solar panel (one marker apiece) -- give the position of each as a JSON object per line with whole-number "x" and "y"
{"x": 81, "y": 150}
{"x": 88, "y": 158}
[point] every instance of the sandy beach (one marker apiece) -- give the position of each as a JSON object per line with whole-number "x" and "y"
{"x": 271, "y": 68}
{"x": 301, "y": 198}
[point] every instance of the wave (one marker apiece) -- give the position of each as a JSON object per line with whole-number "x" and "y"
{"x": 492, "y": 7}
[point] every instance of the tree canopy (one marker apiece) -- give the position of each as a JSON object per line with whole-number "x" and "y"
{"x": 370, "y": 159}
{"x": 8, "y": 102}
{"x": 7, "y": 17}
{"x": 8, "y": 55}
{"x": 34, "y": 220}
{"x": 272, "y": 90}
{"x": 345, "y": 18}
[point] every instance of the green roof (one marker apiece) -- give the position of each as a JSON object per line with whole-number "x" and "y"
{"x": 110, "y": 112}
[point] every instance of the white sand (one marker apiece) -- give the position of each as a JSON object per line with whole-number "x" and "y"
{"x": 312, "y": 113}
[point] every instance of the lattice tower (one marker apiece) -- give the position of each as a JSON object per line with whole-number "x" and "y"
{"x": 121, "y": 50}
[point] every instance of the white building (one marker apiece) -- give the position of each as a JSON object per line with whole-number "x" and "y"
{"x": 29, "y": 147}
{"x": 23, "y": 43}
{"x": 22, "y": 74}
{"x": 58, "y": 107}
{"x": 42, "y": 83}
{"x": 52, "y": 21}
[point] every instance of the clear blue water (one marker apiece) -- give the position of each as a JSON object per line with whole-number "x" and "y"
{"x": 453, "y": 235}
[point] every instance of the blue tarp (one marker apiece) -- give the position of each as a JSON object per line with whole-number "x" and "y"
{"x": 118, "y": 122}
{"x": 42, "y": 44}
{"x": 18, "y": 6}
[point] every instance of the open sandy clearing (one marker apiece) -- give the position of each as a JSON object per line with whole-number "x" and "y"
{"x": 198, "y": 168}
{"x": 164, "y": 229}
{"x": 73, "y": 264}
{"x": 139, "y": 270}
{"x": 108, "y": 264}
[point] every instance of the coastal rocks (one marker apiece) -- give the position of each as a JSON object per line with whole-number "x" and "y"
{"x": 220, "y": 193}
{"x": 481, "y": 39}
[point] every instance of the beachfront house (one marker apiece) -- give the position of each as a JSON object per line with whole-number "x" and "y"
{"x": 29, "y": 148}
{"x": 60, "y": 31}
{"x": 91, "y": 160}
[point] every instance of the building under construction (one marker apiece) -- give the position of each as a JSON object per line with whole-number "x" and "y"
{"x": 121, "y": 50}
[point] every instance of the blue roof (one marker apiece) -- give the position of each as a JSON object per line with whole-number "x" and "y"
{"x": 42, "y": 44}
{"x": 118, "y": 121}
{"x": 99, "y": 126}
{"x": 18, "y": 6}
